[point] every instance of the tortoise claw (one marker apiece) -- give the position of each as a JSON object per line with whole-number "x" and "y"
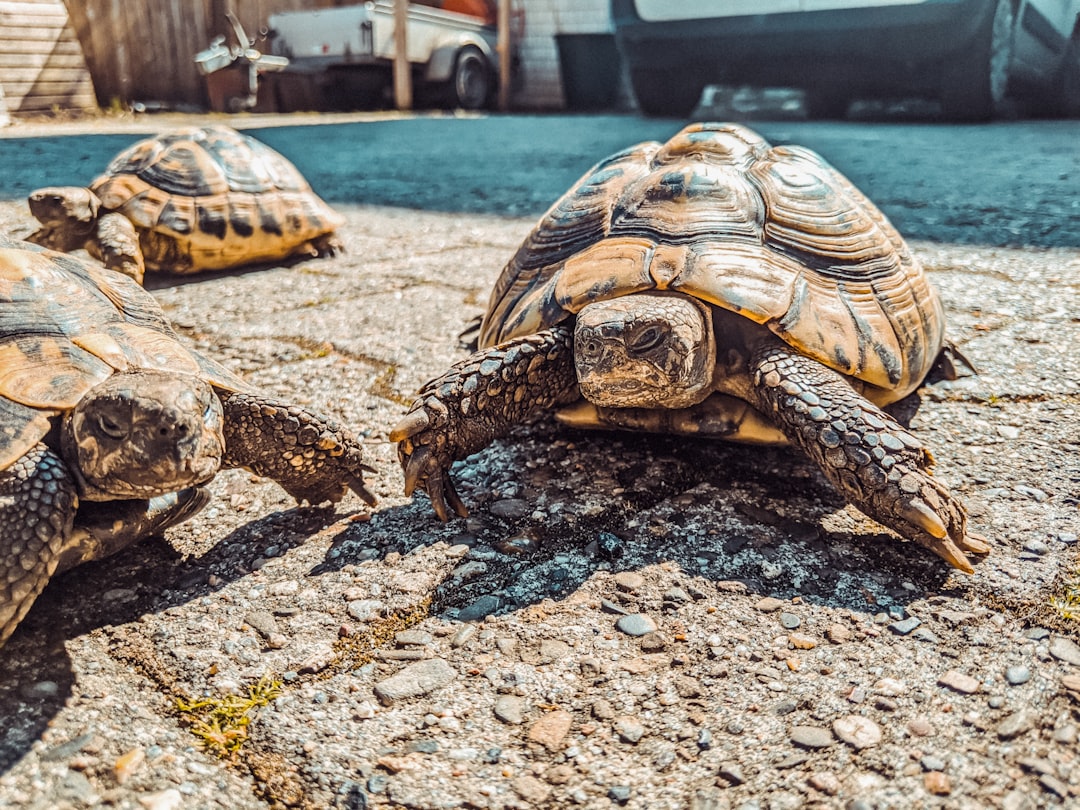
{"x": 359, "y": 486}
{"x": 411, "y": 424}
{"x": 918, "y": 513}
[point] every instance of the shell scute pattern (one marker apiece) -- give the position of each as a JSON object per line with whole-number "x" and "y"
{"x": 772, "y": 233}
{"x": 206, "y": 198}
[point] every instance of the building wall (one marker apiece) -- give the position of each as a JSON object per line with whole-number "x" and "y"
{"x": 540, "y": 83}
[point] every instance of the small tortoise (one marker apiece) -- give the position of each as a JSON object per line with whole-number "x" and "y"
{"x": 108, "y": 424}
{"x": 709, "y": 286}
{"x": 199, "y": 198}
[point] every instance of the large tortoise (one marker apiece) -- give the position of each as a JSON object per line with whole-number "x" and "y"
{"x": 198, "y": 198}
{"x": 711, "y": 286}
{"x": 108, "y": 424}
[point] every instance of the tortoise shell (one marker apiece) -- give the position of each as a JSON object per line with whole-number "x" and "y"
{"x": 774, "y": 234}
{"x": 67, "y": 325}
{"x": 206, "y": 198}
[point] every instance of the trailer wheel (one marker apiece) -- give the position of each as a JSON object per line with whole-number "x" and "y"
{"x": 470, "y": 87}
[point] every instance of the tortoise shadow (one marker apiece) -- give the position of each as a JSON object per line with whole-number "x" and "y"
{"x": 763, "y": 518}
{"x": 36, "y": 671}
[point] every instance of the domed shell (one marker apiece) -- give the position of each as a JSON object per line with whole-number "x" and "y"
{"x": 204, "y": 198}
{"x": 66, "y": 326}
{"x": 772, "y": 233}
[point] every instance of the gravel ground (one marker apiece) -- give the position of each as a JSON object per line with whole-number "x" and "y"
{"x": 622, "y": 621}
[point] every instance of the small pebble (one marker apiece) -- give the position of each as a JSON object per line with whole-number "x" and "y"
{"x": 1014, "y": 725}
{"x": 838, "y": 633}
{"x": 629, "y": 580}
{"x": 415, "y": 680}
{"x": 731, "y": 773}
{"x": 937, "y": 783}
{"x": 636, "y": 624}
{"x": 826, "y": 782}
{"x": 510, "y": 709}
{"x": 629, "y": 729}
{"x": 857, "y": 731}
{"x": 789, "y": 621}
{"x": 1065, "y": 649}
{"x": 1032, "y": 492}
{"x": 620, "y": 794}
{"x": 931, "y": 763}
{"x": 811, "y": 736}
{"x": 905, "y": 626}
{"x": 769, "y": 604}
{"x": 551, "y": 729}
{"x": 959, "y": 682}
{"x": 1036, "y": 547}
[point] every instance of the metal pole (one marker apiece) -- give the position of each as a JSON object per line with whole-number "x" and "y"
{"x": 503, "y": 47}
{"x": 402, "y": 74}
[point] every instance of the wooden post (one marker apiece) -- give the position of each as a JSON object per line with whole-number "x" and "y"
{"x": 504, "y": 48}
{"x": 402, "y": 73}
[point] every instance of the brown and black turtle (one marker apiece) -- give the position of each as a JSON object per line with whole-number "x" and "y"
{"x": 109, "y": 424}
{"x": 199, "y": 198}
{"x": 716, "y": 286}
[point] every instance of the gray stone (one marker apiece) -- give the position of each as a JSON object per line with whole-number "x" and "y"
{"x": 1017, "y": 675}
{"x": 484, "y": 606}
{"x": 905, "y": 626}
{"x": 510, "y": 709}
{"x": 636, "y": 624}
{"x": 1014, "y": 725}
{"x": 511, "y": 508}
{"x": 811, "y": 736}
{"x": 415, "y": 680}
{"x": 263, "y": 621}
{"x": 629, "y": 729}
{"x": 1065, "y": 649}
{"x": 932, "y": 763}
{"x": 789, "y": 621}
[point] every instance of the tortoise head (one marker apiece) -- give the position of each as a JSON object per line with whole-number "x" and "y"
{"x": 140, "y": 434}
{"x": 65, "y": 207}
{"x": 647, "y": 350}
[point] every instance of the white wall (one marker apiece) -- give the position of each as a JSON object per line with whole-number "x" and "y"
{"x": 539, "y": 84}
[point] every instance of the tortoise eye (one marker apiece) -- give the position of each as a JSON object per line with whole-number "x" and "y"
{"x": 647, "y": 340}
{"x": 110, "y": 427}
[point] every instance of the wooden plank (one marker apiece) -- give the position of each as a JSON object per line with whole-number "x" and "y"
{"x": 66, "y": 50}
{"x": 59, "y": 75}
{"x": 40, "y": 59}
{"x": 41, "y": 65}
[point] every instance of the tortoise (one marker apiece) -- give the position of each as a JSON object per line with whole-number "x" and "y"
{"x": 198, "y": 198}
{"x": 712, "y": 286}
{"x": 109, "y": 425}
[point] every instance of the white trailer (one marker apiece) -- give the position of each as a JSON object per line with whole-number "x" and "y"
{"x": 449, "y": 52}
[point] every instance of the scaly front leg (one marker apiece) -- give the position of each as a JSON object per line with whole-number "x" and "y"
{"x": 313, "y": 457}
{"x": 865, "y": 453}
{"x": 479, "y": 399}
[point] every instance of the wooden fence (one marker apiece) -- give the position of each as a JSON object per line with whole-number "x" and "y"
{"x": 41, "y": 63}
{"x": 143, "y": 50}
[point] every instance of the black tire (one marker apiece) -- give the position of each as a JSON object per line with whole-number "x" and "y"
{"x": 666, "y": 94}
{"x": 975, "y": 85}
{"x": 471, "y": 85}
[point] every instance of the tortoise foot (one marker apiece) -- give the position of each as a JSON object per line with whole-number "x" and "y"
{"x": 479, "y": 399}
{"x": 877, "y": 465}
